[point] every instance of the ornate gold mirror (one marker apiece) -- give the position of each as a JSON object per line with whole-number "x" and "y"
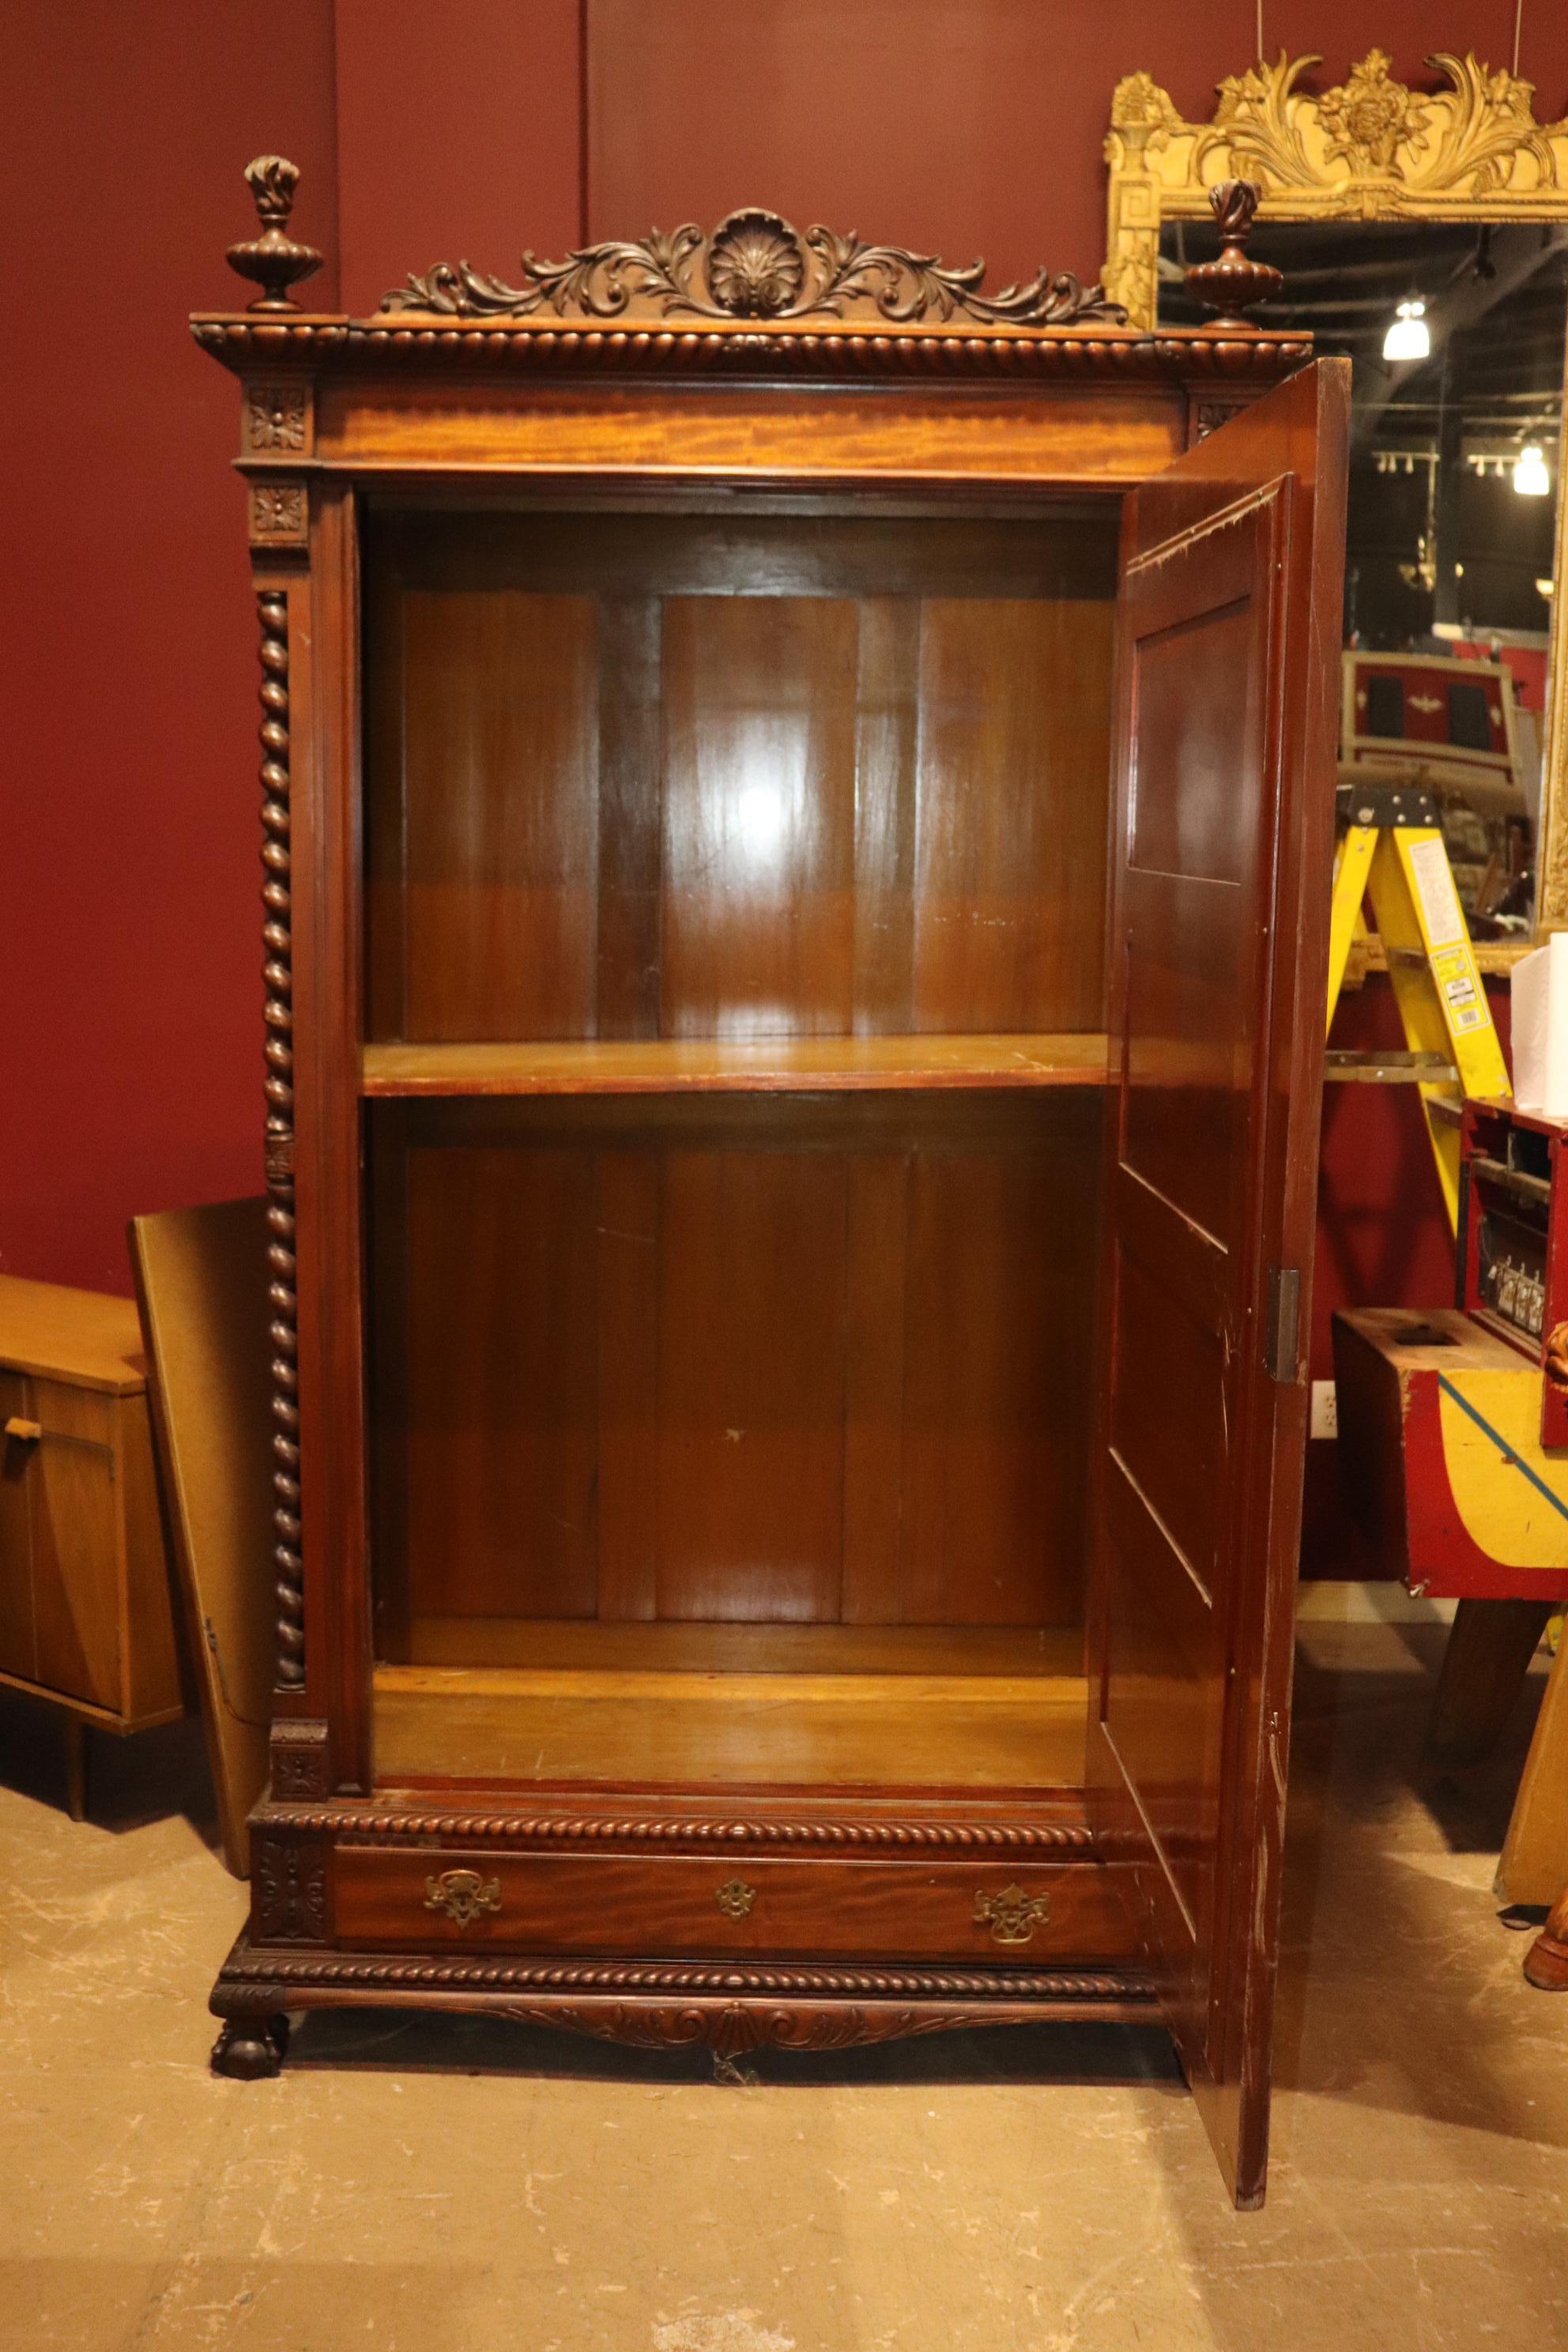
{"x": 1425, "y": 233}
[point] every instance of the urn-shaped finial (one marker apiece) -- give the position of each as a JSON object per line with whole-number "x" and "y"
{"x": 273, "y": 259}
{"x": 1233, "y": 283}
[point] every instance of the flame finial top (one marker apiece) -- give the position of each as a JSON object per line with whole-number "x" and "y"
{"x": 273, "y": 259}
{"x": 1234, "y": 283}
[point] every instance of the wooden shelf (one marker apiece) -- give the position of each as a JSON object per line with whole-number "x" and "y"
{"x": 600, "y": 1645}
{"x": 658, "y": 1729}
{"x": 722, "y": 1066}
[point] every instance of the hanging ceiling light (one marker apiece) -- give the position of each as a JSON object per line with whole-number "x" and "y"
{"x": 1531, "y": 479}
{"x": 1408, "y": 336}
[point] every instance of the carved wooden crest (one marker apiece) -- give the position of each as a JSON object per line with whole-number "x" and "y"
{"x": 754, "y": 264}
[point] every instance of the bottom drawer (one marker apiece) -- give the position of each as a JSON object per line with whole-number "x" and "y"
{"x": 633, "y": 1906}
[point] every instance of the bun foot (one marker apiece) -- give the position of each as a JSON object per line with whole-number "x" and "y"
{"x": 248, "y": 2048}
{"x": 1546, "y": 1962}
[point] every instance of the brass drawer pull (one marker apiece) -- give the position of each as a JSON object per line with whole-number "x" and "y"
{"x": 27, "y": 1433}
{"x": 462, "y": 1895}
{"x": 1012, "y": 1915}
{"x": 735, "y": 1898}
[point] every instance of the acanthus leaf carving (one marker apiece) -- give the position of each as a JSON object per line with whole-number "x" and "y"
{"x": 754, "y": 264}
{"x": 288, "y": 1890}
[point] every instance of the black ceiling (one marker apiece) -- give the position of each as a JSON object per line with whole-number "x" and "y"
{"x": 1497, "y": 306}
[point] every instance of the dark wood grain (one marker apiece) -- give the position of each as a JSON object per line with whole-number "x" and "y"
{"x": 777, "y": 1361}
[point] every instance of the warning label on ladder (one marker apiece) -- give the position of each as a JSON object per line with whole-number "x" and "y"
{"x": 1455, "y": 972}
{"x": 1440, "y": 910}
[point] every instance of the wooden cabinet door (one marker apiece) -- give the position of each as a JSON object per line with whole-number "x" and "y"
{"x": 1221, "y": 855}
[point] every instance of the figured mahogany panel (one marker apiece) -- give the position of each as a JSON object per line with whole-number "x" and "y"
{"x": 500, "y": 815}
{"x": 752, "y": 1268}
{"x": 758, "y": 816}
{"x": 995, "y": 1405}
{"x": 1009, "y": 876}
{"x": 501, "y": 1379}
{"x": 802, "y": 434}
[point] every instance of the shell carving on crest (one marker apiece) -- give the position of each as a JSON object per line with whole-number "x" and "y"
{"x": 755, "y": 269}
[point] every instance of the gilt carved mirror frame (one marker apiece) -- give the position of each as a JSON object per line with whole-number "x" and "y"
{"x": 1369, "y": 149}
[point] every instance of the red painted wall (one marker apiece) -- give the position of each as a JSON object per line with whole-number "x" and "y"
{"x": 128, "y": 962}
{"x": 130, "y": 1033}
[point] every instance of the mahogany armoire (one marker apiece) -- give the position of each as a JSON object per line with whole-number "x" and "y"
{"x": 798, "y": 805}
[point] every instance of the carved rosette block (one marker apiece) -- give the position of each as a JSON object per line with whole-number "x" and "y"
{"x": 273, "y": 260}
{"x": 282, "y": 1295}
{"x": 754, "y": 265}
{"x": 279, "y": 514}
{"x": 299, "y": 1761}
{"x": 1233, "y": 284}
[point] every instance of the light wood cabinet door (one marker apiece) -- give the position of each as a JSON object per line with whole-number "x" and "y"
{"x": 73, "y": 1509}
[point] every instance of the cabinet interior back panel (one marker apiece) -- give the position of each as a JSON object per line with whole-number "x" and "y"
{"x": 751, "y": 1363}
{"x": 639, "y": 776}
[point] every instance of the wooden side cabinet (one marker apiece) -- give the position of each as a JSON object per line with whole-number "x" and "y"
{"x": 86, "y": 1608}
{"x": 798, "y": 805}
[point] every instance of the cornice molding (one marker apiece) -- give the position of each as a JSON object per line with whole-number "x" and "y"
{"x": 1043, "y": 355}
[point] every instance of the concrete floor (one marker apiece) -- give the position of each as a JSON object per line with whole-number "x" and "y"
{"x": 464, "y": 2188}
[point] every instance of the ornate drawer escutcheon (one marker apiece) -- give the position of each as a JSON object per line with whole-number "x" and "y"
{"x": 462, "y": 1895}
{"x": 735, "y": 1898}
{"x": 1012, "y": 1915}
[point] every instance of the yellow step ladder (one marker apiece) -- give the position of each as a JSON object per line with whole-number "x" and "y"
{"x": 1393, "y": 852}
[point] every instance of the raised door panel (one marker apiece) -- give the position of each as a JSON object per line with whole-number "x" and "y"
{"x": 78, "y": 1566}
{"x": 1222, "y": 839}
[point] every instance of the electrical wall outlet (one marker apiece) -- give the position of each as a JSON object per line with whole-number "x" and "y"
{"x": 1325, "y": 1409}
